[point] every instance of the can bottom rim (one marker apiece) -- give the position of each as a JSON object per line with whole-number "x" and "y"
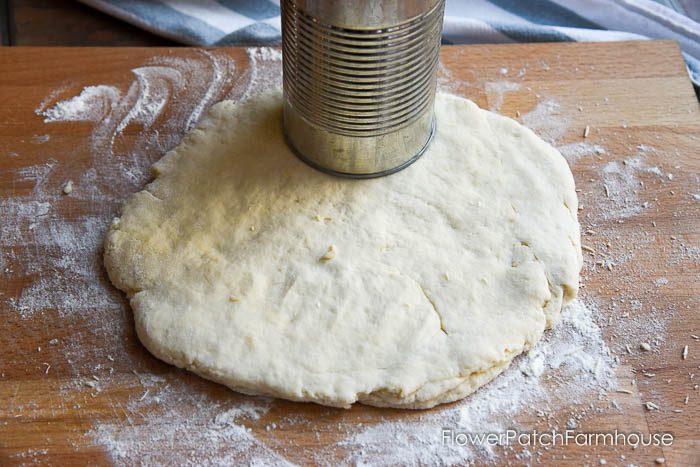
{"x": 383, "y": 173}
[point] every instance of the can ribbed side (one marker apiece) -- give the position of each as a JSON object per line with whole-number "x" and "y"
{"x": 360, "y": 82}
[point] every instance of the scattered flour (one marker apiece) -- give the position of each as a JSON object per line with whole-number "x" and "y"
{"x": 59, "y": 256}
{"x": 199, "y": 431}
{"x": 264, "y": 64}
{"x": 497, "y": 91}
{"x": 91, "y": 105}
{"x": 661, "y": 281}
{"x": 266, "y": 53}
{"x": 575, "y": 151}
{"x": 192, "y": 83}
{"x": 622, "y": 186}
{"x": 548, "y": 120}
{"x": 446, "y": 82}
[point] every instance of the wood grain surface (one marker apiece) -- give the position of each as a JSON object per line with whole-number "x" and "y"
{"x": 69, "y": 23}
{"x": 71, "y": 366}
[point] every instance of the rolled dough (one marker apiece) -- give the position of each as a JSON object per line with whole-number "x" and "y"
{"x": 249, "y": 268}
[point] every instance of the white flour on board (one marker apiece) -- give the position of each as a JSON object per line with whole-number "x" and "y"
{"x": 498, "y": 90}
{"x": 264, "y": 70}
{"x": 190, "y": 84}
{"x": 166, "y": 97}
{"x": 207, "y": 433}
{"x": 93, "y": 103}
{"x": 548, "y": 120}
{"x": 574, "y": 151}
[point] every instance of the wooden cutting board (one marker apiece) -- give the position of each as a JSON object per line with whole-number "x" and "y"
{"x": 76, "y": 387}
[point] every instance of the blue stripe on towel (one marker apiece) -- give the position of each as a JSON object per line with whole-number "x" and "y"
{"x": 693, "y": 69}
{"x": 165, "y": 18}
{"x": 546, "y": 13}
{"x": 531, "y": 33}
{"x": 255, "y": 34}
{"x": 254, "y": 9}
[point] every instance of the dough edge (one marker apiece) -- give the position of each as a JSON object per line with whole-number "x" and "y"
{"x": 427, "y": 396}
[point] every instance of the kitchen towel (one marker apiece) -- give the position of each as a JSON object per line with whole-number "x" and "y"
{"x": 257, "y": 22}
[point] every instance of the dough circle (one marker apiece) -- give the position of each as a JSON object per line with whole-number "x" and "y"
{"x": 249, "y": 268}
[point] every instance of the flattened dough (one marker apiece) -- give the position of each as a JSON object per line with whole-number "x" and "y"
{"x": 249, "y": 268}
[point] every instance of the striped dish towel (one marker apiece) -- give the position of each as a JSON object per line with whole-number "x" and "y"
{"x": 255, "y": 22}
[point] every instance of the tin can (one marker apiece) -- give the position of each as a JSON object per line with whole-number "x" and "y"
{"x": 359, "y": 82}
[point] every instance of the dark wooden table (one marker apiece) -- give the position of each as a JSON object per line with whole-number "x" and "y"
{"x": 68, "y": 23}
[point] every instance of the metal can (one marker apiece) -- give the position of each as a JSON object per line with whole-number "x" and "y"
{"x": 359, "y": 82}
